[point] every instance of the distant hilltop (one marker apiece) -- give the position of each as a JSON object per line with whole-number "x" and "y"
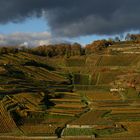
{"x": 130, "y": 44}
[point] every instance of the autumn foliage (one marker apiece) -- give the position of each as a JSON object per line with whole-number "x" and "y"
{"x": 97, "y": 46}
{"x": 59, "y": 50}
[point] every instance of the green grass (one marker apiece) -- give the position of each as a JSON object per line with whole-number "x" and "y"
{"x": 108, "y": 131}
{"x": 90, "y": 131}
{"x": 72, "y": 62}
{"x": 125, "y": 117}
{"x": 118, "y": 60}
{"x": 92, "y": 88}
{"x": 78, "y": 132}
{"x": 131, "y": 93}
{"x": 81, "y": 79}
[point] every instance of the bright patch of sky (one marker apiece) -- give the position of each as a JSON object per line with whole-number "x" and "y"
{"x": 88, "y": 39}
{"x": 29, "y": 25}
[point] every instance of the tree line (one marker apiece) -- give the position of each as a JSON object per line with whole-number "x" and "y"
{"x": 68, "y": 50}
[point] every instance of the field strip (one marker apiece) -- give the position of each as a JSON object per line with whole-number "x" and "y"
{"x": 27, "y": 138}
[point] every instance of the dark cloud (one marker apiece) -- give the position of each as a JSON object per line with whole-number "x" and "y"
{"x": 72, "y": 18}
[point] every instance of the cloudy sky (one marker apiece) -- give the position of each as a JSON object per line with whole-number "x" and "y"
{"x": 37, "y": 22}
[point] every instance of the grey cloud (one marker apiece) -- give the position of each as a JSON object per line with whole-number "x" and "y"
{"x": 72, "y": 18}
{"x": 29, "y": 39}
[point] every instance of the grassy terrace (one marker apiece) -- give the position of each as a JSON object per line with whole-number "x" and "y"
{"x": 45, "y": 95}
{"x": 89, "y": 132}
{"x": 78, "y": 132}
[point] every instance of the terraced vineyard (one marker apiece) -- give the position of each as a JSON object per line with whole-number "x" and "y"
{"x": 36, "y": 96}
{"x": 113, "y": 103}
{"x": 116, "y": 61}
{"x": 7, "y": 123}
{"x": 89, "y": 96}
